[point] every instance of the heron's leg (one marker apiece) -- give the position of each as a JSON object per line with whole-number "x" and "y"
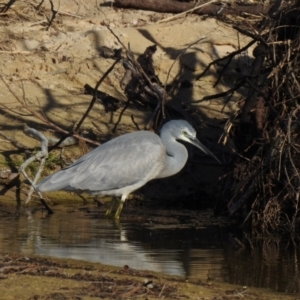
{"x": 98, "y": 200}
{"x": 120, "y": 207}
{"x": 112, "y": 204}
{"x": 119, "y": 210}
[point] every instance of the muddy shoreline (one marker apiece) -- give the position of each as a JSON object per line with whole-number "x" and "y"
{"x": 33, "y": 277}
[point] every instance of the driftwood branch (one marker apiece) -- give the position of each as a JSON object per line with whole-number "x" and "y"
{"x": 91, "y": 105}
{"x": 7, "y": 6}
{"x": 140, "y": 78}
{"x": 229, "y": 56}
{"x": 54, "y": 13}
{"x": 96, "y": 93}
{"x": 40, "y": 156}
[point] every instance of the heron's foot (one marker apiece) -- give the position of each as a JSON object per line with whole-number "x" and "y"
{"x": 112, "y": 204}
{"x": 119, "y": 210}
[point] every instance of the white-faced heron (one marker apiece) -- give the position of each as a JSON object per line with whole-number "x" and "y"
{"x": 126, "y": 163}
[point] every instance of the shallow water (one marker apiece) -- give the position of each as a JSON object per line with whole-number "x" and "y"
{"x": 195, "y": 252}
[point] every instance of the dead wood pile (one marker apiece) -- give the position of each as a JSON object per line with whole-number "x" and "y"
{"x": 263, "y": 180}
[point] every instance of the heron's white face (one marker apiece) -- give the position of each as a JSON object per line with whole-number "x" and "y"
{"x": 186, "y": 134}
{"x": 180, "y": 129}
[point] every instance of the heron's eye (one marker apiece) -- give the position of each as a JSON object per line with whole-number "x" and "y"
{"x": 184, "y": 132}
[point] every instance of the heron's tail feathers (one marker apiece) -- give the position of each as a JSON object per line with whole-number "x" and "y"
{"x": 55, "y": 182}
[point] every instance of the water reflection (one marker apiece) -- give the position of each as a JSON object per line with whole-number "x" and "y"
{"x": 195, "y": 253}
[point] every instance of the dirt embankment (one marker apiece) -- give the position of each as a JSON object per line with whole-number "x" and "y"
{"x": 45, "y": 68}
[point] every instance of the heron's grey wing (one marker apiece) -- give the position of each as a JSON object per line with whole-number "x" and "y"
{"x": 119, "y": 163}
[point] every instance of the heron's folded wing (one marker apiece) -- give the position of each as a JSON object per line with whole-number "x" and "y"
{"x": 121, "y": 162}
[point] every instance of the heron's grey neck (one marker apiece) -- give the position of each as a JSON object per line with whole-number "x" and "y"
{"x": 176, "y": 156}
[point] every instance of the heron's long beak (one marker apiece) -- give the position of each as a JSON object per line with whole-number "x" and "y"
{"x": 194, "y": 141}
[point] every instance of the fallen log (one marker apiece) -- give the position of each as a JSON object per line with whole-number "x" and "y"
{"x": 169, "y": 6}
